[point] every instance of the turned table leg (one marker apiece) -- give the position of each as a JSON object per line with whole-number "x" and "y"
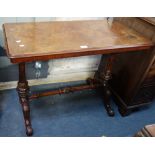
{"x": 23, "y": 92}
{"x": 107, "y": 75}
{"x": 107, "y": 94}
{"x": 103, "y": 76}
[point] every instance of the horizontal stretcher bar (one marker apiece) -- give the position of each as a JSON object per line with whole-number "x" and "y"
{"x": 65, "y": 90}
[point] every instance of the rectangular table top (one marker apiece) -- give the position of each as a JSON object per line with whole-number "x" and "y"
{"x": 59, "y": 39}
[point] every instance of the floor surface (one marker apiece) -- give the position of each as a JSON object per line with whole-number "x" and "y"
{"x": 78, "y": 114}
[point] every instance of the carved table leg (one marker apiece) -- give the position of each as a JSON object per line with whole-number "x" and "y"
{"x": 104, "y": 75}
{"x": 107, "y": 94}
{"x": 23, "y": 91}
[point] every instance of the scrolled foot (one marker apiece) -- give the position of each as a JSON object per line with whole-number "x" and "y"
{"x": 29, "y": 131}
{"x": 107, "y": 105}
{"x": 109, "y": 110}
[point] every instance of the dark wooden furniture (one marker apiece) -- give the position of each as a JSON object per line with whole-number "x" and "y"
{"x": 27, "y": 42}
{"x": 147, "y": 131}
{"x": 133, "y": 83}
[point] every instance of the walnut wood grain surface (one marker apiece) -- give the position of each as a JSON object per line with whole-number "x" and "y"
{"x": 47, "y": 40}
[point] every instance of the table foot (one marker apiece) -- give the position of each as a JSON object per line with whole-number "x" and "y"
{"x": 110, "y": 111}
{"x": 107, "y": 105}
{"x": 29, "y": 131}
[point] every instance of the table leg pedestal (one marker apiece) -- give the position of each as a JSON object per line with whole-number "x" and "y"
{"x": 103, "y": 75}
{"x": 107, "y": 94}
{"x": 23, "y": 93}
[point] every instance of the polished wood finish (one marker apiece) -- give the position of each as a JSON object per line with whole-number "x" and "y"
{"x": 61, "y": 39}
{"x": 48, "y": 40}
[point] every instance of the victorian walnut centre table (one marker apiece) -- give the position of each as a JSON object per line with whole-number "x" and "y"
{"x": 40, "y": 41}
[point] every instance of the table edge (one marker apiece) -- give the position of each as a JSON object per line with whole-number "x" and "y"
{"x": 87, "y": 52}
